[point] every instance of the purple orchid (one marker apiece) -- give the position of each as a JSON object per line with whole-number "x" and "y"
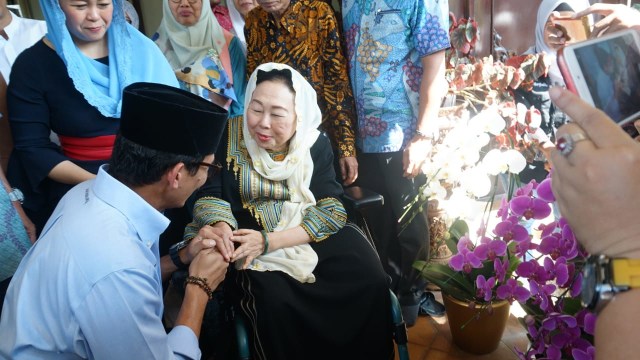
{"x": 587, "y": 320}
{"x": 559, "y": 244}
{"x": 511, "y": 290}
{"x": 544, "y": 191}
{"x": 465, "y": 260}
{"x": 533, "y": 271}
{"x": 530, "y": 208}
{"x": 527, "y": 189}
{"x": 485, "y": 287}
{"x": 501, "y": 269}
{"x": 580, "y": 354}
{"x": 511, "y": 230}
{"x": 490, "y": 249}
{"x": 557, "y": 270}
{"x": 503, "y": 211}
{"x": 542, "y": 294}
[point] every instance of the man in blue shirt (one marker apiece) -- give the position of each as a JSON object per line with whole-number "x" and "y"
{"x": 91, "y": 286}
{"x": 396, "y": 56}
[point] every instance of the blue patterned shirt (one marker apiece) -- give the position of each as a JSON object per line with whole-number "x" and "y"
{"x": 386, "y": 40}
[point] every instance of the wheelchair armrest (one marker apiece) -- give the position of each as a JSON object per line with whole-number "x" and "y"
{"x": 357, "y": 198}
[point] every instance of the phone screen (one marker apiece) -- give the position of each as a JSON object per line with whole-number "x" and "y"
{"x": 611, "y": 70}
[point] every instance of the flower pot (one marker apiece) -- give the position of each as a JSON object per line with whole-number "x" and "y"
{"x": 477, "y": 330}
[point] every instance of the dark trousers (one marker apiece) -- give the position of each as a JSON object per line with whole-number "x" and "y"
{"x": 382, "y": 173}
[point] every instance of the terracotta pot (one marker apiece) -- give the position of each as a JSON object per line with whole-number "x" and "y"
{"x": 476, "y": 335}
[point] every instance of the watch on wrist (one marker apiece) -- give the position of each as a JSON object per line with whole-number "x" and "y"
{"x": 604, "y": 277}
{"x": 16, "y": 195}
{"x": 175, "y": 256}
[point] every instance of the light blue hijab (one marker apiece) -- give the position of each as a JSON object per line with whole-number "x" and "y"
{"x": 102, "y": 84}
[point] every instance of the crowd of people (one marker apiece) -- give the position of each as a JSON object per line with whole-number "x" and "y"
{"x": 250, "y": 119}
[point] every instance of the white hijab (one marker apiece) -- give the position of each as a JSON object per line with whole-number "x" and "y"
{"x": 544, "y": 11}
{"x": 237, "y": 21}
{"x": 182, "y": 45}
{"x": 296, "y": 168}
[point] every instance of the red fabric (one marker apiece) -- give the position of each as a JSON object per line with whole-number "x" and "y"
{"x": 95, "y": 148}
{"x": 222, "y": 15}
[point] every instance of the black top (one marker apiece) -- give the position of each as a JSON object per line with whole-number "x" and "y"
{"x": 226, "y": 185}
{"x": 41, "y": 98}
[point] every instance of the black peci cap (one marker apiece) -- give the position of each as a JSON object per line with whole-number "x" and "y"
{"x": 172, "y": 120}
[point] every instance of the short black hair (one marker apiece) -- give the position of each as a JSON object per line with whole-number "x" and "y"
{"x": 282, "y": 76}
{"x": 136, "y": 165}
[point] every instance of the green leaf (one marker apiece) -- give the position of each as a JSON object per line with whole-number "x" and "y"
{"x": 471, "y": 31}
{"x": 572, "y": 305}
{"x": 450, "y": 281}
{"x": 458, "y": 229}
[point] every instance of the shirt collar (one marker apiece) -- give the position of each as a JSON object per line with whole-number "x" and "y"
{"x": 288, "y": 19}
{"x": 12, "y": 28}
{"x": 148, "y": 222}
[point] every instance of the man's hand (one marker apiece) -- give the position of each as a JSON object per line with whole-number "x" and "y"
{"x": 210, "y": 265}
{"x": 414, "y": 155}
{"x": 349, "y": 170}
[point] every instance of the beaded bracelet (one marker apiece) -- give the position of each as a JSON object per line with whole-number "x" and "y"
{"x": 201, "y": 283}
{"x": 266, "y": 241}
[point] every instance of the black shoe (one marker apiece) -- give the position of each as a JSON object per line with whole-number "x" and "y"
{"x": 430, "y": 306}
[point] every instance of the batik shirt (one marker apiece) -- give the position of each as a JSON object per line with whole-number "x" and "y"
{"x": 306, "y": 38}
{"x": 385, "y": 41}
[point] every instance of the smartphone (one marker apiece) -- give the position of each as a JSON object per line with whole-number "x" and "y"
{"x": 605, "y": 72}
{"x": 575, "y": 30}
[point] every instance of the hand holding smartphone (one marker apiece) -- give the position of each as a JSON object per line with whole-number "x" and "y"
{"x": 605, "y": 72}
{"x": 573, "y": 29}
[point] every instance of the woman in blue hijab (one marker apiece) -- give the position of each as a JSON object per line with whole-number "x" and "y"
{"x": 69, "y": 86}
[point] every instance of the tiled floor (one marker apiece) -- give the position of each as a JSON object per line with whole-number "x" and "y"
{"x": 430, "y": 339}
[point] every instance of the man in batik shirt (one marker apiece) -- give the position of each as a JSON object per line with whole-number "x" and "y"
{"x": 396, "y": 65}
{"x": 304, "y": 35}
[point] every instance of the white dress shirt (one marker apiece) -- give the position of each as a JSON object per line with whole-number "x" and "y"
{"x": 22, "y": 33}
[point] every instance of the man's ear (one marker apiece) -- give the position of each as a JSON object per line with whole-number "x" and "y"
{"x": 174, "y": 175}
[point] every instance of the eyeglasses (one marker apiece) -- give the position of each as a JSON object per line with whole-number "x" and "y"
{"x": 180, "y": 1}
{"x": 213, "y": 169}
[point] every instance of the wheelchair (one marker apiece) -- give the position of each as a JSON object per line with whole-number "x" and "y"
{"x": 356, "y": 200}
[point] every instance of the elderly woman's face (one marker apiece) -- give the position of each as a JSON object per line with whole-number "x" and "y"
{"x": 87, "y": 20}
{"x": 271, "y": 116}
{"x": 274, "y": 7}
{"x": 244, "y": 6}
{"x": 186, "y": 12}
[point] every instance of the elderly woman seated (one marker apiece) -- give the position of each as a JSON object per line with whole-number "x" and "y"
{"x": 307, "y": 282}
{"x": 207, "y": 60}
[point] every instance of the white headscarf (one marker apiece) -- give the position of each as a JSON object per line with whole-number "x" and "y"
{"x": 544, "y": 11}
{"x": 132, "y": 13}
{"x": 182, "y": 45}
{"x": 237, "y": 21}
{"x": 296, "y": 168}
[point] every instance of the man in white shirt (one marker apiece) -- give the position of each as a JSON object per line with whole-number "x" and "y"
{"x": 16, "y": 34}
{"x": 91, "y": 286}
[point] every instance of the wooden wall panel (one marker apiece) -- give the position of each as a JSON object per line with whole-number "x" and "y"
{"x": 515, "y": 21}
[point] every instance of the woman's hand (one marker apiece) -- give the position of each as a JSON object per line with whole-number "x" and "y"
{"x": 220, "y": 232}
{"x": 596, "y": 184}
{"x": 616, "y": 17}
{"x": 223, "y": 234}
{"x": 252, "y": 245}
{"x": 554, "y": 36}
